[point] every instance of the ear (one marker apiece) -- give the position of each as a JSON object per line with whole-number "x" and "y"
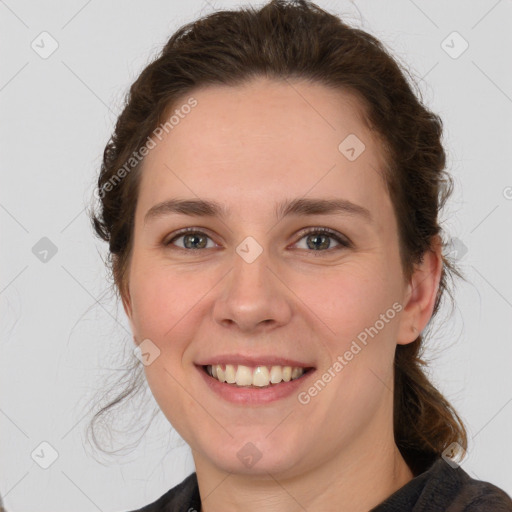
{"x": 126, "y": 299}
{"x": 127, "y": 306}
{"x": 421, "y": 294}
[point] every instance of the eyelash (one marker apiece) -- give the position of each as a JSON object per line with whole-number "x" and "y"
{"x": 343, "y": 242}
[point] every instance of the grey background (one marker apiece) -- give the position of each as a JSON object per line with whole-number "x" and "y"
{"x": 60, "y": 328}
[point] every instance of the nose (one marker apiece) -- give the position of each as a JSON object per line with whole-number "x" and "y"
{"x": 252, "y": 297}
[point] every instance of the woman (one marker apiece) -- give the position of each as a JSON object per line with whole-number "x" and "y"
{"x": 270, "y": 197}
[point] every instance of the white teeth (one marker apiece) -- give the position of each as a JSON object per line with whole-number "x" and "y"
{"x": 276, "y": 374}
{"x": 259, "y": 376}
{"x": 230, "y": 374}
{"x": 296, "y": 372}
{"x": 243, "y": 375}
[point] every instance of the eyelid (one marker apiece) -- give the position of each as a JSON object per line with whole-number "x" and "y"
{"x": 185, "y": 231}
{"x": 343, "y": 241}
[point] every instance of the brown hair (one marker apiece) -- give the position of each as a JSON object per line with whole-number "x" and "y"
{"x": 297, "y": 39}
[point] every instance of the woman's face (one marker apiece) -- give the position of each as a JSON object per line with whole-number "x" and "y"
{"x": 252, "y": 285}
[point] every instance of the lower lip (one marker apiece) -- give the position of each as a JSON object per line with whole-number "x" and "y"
{"x": 253, "y": 396}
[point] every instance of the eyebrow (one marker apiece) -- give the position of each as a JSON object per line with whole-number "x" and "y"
{"x": 299, "y": 206}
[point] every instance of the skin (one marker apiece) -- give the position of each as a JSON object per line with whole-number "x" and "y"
{"x": 250, "y": 147}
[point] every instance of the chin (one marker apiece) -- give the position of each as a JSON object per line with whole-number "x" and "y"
{"x": 256, "y": 455}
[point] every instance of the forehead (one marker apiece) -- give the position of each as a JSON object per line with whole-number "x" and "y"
{"x": 265, "y": 139}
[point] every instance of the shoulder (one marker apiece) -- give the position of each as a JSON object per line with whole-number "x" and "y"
{"x": 452, "y": 489}
{"x": 184, "y": 496}
{"x": 444, "y": 488}
{"x": 478, "y": 495}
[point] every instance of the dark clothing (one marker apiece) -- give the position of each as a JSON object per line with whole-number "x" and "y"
{"x": 182, "y": 498}
{"x": 440, "y": 488}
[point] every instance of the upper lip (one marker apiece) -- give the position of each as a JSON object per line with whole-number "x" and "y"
{"x": 253, "y": 361}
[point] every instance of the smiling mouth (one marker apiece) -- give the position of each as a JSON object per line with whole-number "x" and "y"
{"x": 254, "y": 377}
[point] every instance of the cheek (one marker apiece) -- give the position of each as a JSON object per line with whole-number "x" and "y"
{"x": 161, "y": 299}
{"x": 348, "y": 298}
{"x": 166, "y": 307}
{"x": 170, "y": 305}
